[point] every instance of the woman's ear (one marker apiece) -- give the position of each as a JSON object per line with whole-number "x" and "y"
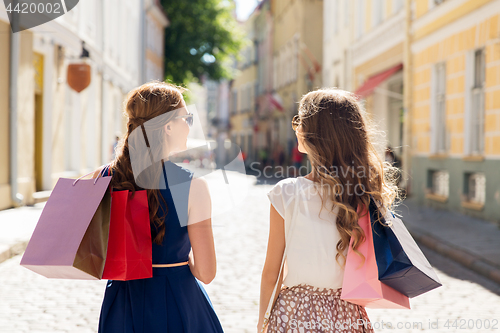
{"x": 168, "y": 129}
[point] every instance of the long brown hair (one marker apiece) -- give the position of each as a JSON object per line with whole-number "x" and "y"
{"x": 340, "y": 141}
{"x": 142, "y": 104}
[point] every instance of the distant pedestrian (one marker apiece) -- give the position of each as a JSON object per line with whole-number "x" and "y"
{"x": 296, "y": 159}
{"x": 183, "y": 253}
{"x": 263, "y": 156}
{"x": 332, "y": 130}
{"x": 278, "y": 155}
{"x": 391, "y": 157}
{"x": 115, "y": 145}
{"x": 395, "y": 161}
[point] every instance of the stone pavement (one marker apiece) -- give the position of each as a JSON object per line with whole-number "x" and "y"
{"x": 33, "y": 303}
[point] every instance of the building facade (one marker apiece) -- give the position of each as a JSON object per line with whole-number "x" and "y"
{"x": 155, "y": 23}
{"x": 50, "y": 130}
{"x": 456, "y": 105}
{"x": 377, "y": 61}
{"x": 297, "y": 64}
{"x": 242, "y": 100}
{"x": 338, "y": 38}
{"x": 264, "y": 37}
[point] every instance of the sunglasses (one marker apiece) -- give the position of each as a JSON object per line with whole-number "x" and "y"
{"x": 188, "y": 117}
{"x": 295, "y": 122}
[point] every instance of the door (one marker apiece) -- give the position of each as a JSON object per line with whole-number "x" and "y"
{"x": 38, "y": 144}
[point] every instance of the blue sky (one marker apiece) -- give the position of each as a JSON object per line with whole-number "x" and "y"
{"x": 244, "y": 8}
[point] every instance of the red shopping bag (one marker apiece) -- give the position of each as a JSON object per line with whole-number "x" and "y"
{"x": 361, "y": 284}
{"x": 129, "y": 254}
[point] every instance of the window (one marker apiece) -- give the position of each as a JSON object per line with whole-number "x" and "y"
{"x": 295, "y": 59}
{"x": 336, "y": 17}
{"x": 234, "y": 106}
{"x": 242, "y": 142}
{"x": 249, "y": 151}
{"x": 440, "y": 183}
{"x": 477, "y": 99}
{"x": 248, "y": 97}
{"x": 378, "y": 12}
{"x": 397, "y": 5}
{"x": 438, "y": 113}
{"x": 360, "y": 19}
{"x": 434, "y": 3}
{"x": 476, "y": 188}
{"x": 347, "y": 13}
{"x": 256, "y": 52}
{"x": 275, "y": 72}
{"x": 253, "y": 93}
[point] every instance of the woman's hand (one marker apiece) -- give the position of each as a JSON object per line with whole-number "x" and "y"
{"x": 259, "y": 327}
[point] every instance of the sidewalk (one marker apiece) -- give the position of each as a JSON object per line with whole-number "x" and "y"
{"x": 16, "y": 227}
{"x": 471, "y": 242}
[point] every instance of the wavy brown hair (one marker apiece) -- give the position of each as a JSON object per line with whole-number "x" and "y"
{"x": 340, "y": 142}
{"x": 142, "y": 104}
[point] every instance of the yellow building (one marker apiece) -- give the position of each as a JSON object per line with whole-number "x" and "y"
{"x": 377, "y": 62}
{"x": 242, "y": 94}
{"x": 297, "y": 65}
{"x": 281, "y": 62}
{"x": 4, "y": 116}
{"x": 455, "y": 109}
{"x": 25, "y": 106}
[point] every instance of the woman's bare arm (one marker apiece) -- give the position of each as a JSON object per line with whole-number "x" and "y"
{"x": 202, "y": 260}
{"x": 274, "y": 256}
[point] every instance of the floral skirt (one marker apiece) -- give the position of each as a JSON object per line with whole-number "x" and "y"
{"x": 307, "y": 309}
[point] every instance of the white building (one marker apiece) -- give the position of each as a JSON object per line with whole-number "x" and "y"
{"x": 55, "y": 131}
{"x": 337, "y": 39}
{"x": 364, "y": 53}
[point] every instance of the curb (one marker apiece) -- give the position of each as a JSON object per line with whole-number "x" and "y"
{"x": 13, "y": 250}
{"x": 458, "y": 255}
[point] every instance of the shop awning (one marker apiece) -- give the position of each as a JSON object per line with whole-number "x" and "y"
{"x": 373, "y": 82}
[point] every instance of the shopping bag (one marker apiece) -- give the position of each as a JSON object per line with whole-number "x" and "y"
{"x": 401, "y": 264}
{"x": 361, "y": 284}
{"x": 70, "y": 238}
{"x": 129, "y": 254}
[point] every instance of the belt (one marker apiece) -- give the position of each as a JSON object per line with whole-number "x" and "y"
{"x": 172, "y": 265}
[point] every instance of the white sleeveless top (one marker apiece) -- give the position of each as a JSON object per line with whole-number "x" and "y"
{"x": 312, "y": 247}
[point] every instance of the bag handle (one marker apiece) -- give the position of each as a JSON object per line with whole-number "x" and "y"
{"x": 95, "y": 181}
{"x": 385, "y": 214}
{"x": 288, "y": 236}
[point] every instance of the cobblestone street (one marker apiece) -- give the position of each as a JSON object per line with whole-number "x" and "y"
{"x": 33, "y": 303}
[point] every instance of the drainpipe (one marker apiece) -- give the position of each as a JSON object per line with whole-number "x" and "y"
{"x": 407, "y": 100}
{"x": 17, "y": 198}
{"x": 103, "y": 71}
{"x": 150, "y": 5}
{"x": 143, "y": 40}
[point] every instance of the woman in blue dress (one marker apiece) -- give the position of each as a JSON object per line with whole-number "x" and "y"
{"x": 173, "y": 300}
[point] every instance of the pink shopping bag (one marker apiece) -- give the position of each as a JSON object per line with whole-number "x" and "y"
{"x": 70, "y": 239}
{"x": 361, "y": 284}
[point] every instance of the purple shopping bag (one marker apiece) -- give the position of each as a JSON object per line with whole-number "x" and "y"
{"x": 70, "y": 239}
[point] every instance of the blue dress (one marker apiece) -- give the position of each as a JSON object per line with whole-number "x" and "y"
{"x": 173, "y": 300}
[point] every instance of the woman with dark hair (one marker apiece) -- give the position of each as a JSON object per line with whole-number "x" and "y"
{"x": 334, "y": 132}
{"x": 183, "y": 252}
